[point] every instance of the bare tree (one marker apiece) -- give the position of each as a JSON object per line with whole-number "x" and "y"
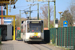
{"x": 44, "y": 14}
{"x": 67, "y": 16}
{"x": 17, "y": 22}
{"x": 72, "y": 9}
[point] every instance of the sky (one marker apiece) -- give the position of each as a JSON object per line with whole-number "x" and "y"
{"x": 61, "y": 5}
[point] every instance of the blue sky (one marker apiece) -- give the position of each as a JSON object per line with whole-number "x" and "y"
{"x": 61, "y": 5}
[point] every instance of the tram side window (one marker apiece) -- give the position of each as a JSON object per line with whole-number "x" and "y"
{"x": 41, "y": 26}
{"x": 27, "y": 27}
{"x": 23, "y": 30}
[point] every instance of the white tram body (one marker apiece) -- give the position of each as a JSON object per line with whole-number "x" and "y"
{"x": 33, "y": 30}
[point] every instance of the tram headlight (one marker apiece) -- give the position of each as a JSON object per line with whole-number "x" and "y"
{"x": 39, "y": 34}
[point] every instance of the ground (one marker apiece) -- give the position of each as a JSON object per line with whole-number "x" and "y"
{"x": 20, "y": 45}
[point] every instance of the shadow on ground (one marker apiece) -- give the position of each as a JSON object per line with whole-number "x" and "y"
{"x": 37, "y": 42}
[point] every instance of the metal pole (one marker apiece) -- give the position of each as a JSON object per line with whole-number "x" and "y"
{"x": 30, "y": 12}
{"x": 10, "y": 6}
{"x": 48, "y": 15}
{"x": 54, "y": 11}
{"x": 60, "y": 19}
{"x": 64, "y": 33}
{"x": 2, "y": 14}
{"x": 56, "y": 35}
{"x": 6, "y": 9}
{"x": 20, "y": 18}
{"x": 38, "y": 11}
{"x": 65, "y": 18}
{"x": 14, "y": 28}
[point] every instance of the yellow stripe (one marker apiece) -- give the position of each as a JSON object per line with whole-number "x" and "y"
{"x": 36, "y": 34}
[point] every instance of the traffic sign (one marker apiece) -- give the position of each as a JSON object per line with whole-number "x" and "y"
{"x": 65, "y": 23}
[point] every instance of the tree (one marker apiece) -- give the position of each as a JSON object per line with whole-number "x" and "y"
{"x": 72, "y": 9}
{"x": 67, "y": 16}
{"x": 51, "y": 24}
{"x": 44, "y": 14}
{"x": 17, "y": 22}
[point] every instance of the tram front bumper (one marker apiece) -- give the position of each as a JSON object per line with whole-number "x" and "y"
{"x": 35, "y": 39}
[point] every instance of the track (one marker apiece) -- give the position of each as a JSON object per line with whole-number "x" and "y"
{"x": 39, "y": 47}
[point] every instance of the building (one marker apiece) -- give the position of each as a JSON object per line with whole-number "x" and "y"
{"x": 8, "y": 21}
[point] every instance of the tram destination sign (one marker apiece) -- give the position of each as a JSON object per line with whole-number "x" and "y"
{"x": 34, "y": 21}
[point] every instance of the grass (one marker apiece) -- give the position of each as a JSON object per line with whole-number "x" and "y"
{"x": 19, "y": 39}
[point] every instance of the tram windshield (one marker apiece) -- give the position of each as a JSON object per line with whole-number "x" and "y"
{"x": 35, "y": 27}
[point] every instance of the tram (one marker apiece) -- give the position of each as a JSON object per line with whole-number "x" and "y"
{"x": 33, "y": 30}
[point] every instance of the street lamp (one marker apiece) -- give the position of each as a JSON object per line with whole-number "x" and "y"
{"x": 5, "y": 7}
{"x": 60, "y": 17}
{"x": 14, "y": 7}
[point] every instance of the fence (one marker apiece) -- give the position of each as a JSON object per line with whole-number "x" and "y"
{"x": 65, "y": 37}
{"x": 18, "y": 33}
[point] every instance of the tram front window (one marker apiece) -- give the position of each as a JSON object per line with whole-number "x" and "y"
{"x": 35, "y": 27}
